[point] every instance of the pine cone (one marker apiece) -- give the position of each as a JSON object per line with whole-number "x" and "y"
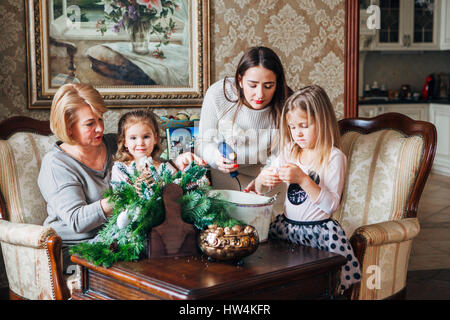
{"x": 146, "y": 177}
{"x": 113, "y": 247}
{"x": 191, "y": 186}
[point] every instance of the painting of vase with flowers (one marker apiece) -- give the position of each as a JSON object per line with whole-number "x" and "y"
{"x": 135, "y": 52}
{"x": 141, "y": 18}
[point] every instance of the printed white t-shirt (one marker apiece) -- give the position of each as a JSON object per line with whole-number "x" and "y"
{"x": 298, "y": 206}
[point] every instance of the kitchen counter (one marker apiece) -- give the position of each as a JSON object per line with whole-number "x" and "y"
{"x": 380, "y": 101}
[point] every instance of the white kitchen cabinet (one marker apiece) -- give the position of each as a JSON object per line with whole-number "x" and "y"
{"x": 408, "y": 25}
{"x": 366, "y": 35}
{"x": 416, "y": 111}
{"x": 368, "y": 111}
{"x": 440, "y": 117}
{"x": 445, "y": 25}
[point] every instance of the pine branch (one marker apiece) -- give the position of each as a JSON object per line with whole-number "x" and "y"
{"x": 199, "y": 207}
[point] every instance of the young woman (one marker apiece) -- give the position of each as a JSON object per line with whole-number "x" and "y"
{"x": 244, "y": 112}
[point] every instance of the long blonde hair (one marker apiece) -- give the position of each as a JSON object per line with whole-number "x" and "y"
{"x": 315, "y": 102}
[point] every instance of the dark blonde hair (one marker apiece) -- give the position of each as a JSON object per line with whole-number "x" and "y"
{"x": 315, "y": 102}
{"x": 129, "y": 119}
{"x": 67, "y": 101}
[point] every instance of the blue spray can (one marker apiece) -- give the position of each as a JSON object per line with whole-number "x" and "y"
{"x": 230, "y": 154}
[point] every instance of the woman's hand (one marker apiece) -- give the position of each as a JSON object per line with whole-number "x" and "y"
{"x": 185, "y": 159}
{"x": 251, "y": 187}
{"x": 291, "y": 173}
{"x": 225, "y": 165}
{"x": 106, "y": 207}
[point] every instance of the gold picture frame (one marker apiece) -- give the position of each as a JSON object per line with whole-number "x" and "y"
{"x": 64, "y": 45}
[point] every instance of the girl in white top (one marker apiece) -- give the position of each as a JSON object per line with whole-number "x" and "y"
{"x": 138, "y": 144}
{"x": 138, "y": 147}
{"x": 313, "y": 167}
{"x": 244, "y": 111}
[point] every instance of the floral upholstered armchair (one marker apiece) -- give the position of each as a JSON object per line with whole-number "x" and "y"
{"x": 31, "y": 252}
{"x": 389, "y": 158}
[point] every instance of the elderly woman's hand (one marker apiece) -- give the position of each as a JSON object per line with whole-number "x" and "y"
{"x": 185, "y": 159}
{"x": 106, "y": 207}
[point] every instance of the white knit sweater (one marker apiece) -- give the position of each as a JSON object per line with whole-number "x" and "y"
{"x": 249, "y": 136}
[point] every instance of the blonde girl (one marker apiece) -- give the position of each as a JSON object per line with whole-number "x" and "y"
{"x": 313, "y": 168}
{"x": 139, "y": 144}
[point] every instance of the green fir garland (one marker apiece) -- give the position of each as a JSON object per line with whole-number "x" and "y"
{"x": 140, "y": 199}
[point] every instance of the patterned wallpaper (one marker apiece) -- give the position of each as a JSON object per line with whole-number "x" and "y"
{"x": 307, "y": 35}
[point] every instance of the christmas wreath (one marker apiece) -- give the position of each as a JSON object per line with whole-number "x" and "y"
{"x": 138, "y": 207}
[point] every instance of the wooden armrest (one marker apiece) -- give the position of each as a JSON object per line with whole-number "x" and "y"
{"x": 54, "y": 245}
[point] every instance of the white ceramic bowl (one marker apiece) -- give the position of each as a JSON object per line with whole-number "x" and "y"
{"x": 252, "y": 209}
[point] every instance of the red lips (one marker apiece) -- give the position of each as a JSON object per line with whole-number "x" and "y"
{"x": 259, "y": 101}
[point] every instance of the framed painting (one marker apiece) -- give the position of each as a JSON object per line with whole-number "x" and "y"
{"x": 134, "y": 52}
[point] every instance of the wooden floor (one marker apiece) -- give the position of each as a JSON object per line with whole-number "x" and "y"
{"x": 429, "y": 266}
{"x": 431, "y": 248}
{"x": 428, "y": 285}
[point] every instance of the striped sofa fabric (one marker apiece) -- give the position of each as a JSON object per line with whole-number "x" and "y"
{"x": 23, "y": 238}
{"x": 382, "y": 167}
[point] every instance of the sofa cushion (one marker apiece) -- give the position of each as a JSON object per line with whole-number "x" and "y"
{"x": 381, "y": 168}
{"x": 20, "y": 161}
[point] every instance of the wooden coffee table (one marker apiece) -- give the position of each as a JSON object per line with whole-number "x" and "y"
{"x": 277, "y": 270}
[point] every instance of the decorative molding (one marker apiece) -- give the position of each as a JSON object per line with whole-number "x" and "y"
{"x": 351, "y": 58}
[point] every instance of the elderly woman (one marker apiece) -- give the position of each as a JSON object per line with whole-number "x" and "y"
{"x": 76, "y": 172}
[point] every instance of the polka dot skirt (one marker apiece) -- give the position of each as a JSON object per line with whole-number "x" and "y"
{"x": 323, "y": 235}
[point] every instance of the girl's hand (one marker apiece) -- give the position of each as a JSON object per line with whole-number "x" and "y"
{"x": 225, "y": 165}
{"x": 291, "y": 173}
{"x": 269, "y": 177}
{"x": 185, "y": 159}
